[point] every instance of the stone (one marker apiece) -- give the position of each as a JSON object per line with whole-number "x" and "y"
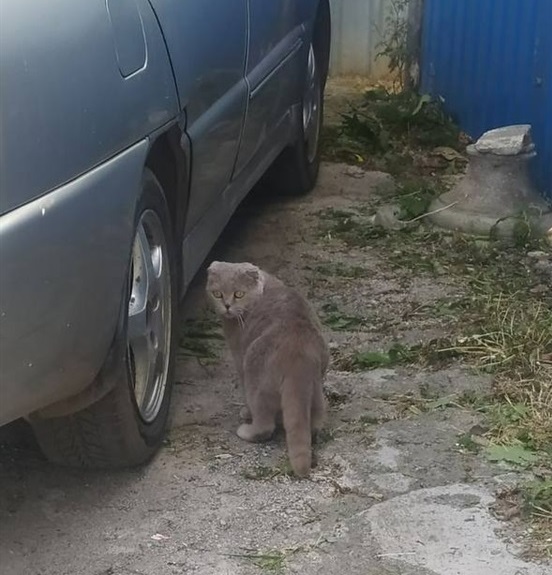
{"x": 537, "y": 254}
{"x": 495, "y": 190}
{"x": 506, "y": 141}
{"x": 543, "y": 265}
{"x": 387, "y": 217}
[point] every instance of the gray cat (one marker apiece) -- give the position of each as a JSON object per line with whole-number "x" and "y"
{"x": 280, "y": 354}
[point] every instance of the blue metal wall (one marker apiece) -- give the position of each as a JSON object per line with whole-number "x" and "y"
{"x": 491, "y": 60}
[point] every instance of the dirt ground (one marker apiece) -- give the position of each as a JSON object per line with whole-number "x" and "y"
{"x": 341, "y": 93}
{"x": 393, "y": 492}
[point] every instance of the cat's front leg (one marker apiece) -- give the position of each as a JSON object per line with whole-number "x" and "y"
{"x": 264, "y": 408}
{"x": 245, "y": 414}
{"x": 233, "y": 339}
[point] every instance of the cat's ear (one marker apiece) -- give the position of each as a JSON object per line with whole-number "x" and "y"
{"x": 253, "y": 274}
{"x": 213, "y": 266}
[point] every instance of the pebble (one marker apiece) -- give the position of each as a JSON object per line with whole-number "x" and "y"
{"x": 537, "y": 254}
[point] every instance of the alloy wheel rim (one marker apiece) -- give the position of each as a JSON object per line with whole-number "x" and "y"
{"x": 312, "y": 107}
{"x": 149, "y": 316}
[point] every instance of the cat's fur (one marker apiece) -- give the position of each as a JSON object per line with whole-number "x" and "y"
{"x": 280, "y": 355}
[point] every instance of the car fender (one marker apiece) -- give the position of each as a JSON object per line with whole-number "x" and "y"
{"x": 64, "y": 260}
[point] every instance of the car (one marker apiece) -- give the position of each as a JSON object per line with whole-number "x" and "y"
{"x": 130, "y": 132}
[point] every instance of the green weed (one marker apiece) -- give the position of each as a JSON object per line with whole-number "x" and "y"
{"x": 339, "y": 269}
{"x": 272, "y": 561}
{"x": 264, "y": 472}
{"x": 339, "y": 321}
{"x": 201, "y": 338}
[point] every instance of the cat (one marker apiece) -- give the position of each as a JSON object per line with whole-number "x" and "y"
{"x": 280, "y": 354}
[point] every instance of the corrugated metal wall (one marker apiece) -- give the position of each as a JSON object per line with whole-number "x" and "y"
{"x": 491, "y": 60}
{"x": 355, "y": 34}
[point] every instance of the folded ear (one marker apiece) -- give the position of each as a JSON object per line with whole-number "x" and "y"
{"x": 252, "y": 271}
{"x": 213, "y": 266}
{"x": 253, "y": 274}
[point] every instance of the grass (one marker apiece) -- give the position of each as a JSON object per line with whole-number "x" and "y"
{"x": 515, "y": 335}
{"x": 503, "y": 328}
{"x": 513, "y": 341}
{"x": 351, "y": 228}
{"x": 500, "y": 323}
{"x": 434, "y": 353}
{"x": 532, "y": 501}
{"x": 467, "y": 443}
{"x": 502, "y": 319}
{"x": 265, "y": 472}
{"x": 400, "y": 133}
{"x": 414, "y": 195}
{"x": 275, "y": 560}
{"x": 485, "y": 270}
{"x": 271, "y": 561}
{"x": 337, "y": 320}
{"x": 537, "y": 497}
{"x": 423, "y": 249}
{"x": 508, "y": 335}
{"x": 201, "y": 338}
{"x": 338, "y": 269}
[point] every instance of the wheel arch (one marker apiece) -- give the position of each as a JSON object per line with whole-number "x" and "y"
{"x": 322, "y": 35}
{"x": 169, "y": 159}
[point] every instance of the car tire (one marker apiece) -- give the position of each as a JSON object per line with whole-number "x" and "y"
{"x": 295, "y": 171}
{"x": 126, "y": 426}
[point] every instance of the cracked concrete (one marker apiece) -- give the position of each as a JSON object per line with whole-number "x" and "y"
{"x": 445, "y": 529}
{"x": 392, "y": 494}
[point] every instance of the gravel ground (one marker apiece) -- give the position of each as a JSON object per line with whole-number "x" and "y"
{"x": 392, "y": 493}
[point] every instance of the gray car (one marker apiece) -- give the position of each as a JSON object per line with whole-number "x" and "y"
{"x": 130, "y": 132}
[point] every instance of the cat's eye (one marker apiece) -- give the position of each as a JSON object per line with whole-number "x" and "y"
{"x": 238, "y": 294}
{"x": 217, "y": 294}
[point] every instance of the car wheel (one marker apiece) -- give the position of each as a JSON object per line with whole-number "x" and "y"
{"x": 126, "y": 426}
{"x": 295, "y": 171}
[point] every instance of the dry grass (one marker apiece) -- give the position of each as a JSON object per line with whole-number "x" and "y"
{"x": 531, "y": 402}
{"x": 513, "y": 340}
{"x": 272, "y": 561}
{"x": 533, "y": 499}
{"x": 517, "y": 335}
{"x": 515, "y": 343}
{"x": 501, "y": 319}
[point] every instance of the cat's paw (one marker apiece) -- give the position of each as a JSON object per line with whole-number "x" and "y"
{"x": 245, "y": 414}
{"x": 246, "y": 432}
{"x": 249, "y": 432}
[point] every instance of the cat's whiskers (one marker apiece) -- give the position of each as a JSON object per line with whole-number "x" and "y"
{"x": 241, "y": 321}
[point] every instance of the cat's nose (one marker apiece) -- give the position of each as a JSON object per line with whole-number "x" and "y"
{"x": 227, "y": 305}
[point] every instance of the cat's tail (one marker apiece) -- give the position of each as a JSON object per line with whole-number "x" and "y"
{"x": 296, "y": 411}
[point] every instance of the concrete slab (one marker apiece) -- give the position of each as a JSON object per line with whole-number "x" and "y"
{"x": 447, "y": 530}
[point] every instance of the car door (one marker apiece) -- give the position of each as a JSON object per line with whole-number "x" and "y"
{"x": 207, "y": 43}
{"x": 272, "y": 71}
